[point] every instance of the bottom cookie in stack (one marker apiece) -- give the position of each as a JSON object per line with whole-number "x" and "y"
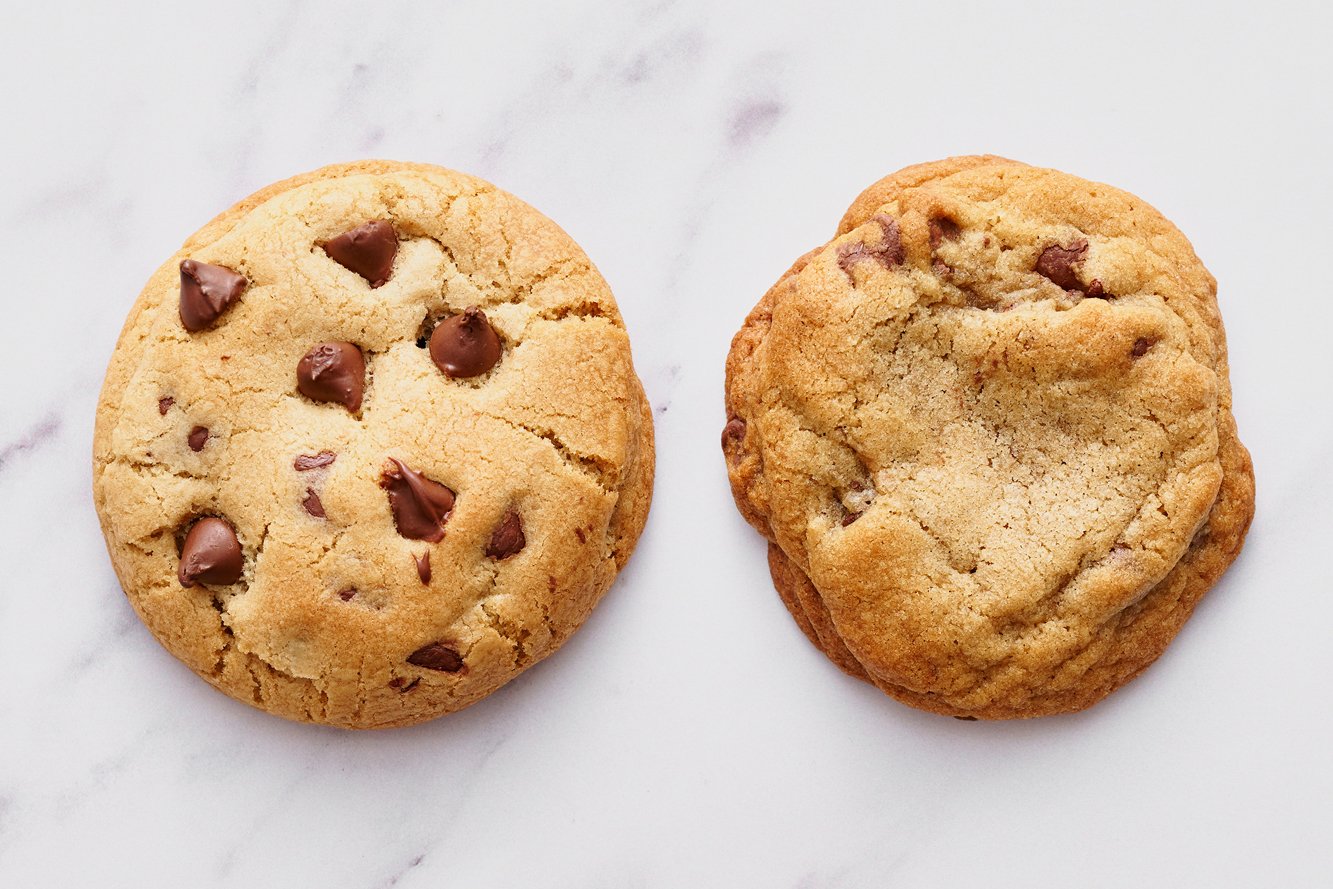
{"x": 987, "y": 431}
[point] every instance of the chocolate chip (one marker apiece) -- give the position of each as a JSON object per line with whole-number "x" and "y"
{"x": 465, "y": 345}
{"x": 312, "y": 503}
{"x": 942, "y": 228}
{"x": 333, "y": 372}
{"x": 198, "y": 438}
{"x": 966, "y": 718}
{"x": 436, "y": 656}
{"x": 1057, "y": 263}
{"x": 348, "y": 594}
{"x": 583, "y": 538}
{"x": 368, "y": 250}
{"x": 507, "y": 538}
{"x": 420, "y": 505}
{"x": 423, "y": 566}
{"x": 849, "y": 518}
{"x": 397, "y": 682}
{"x": 306, "y": 462}
{"x": 164, "y": 405}
{"x": 206, "y": 292}
{"x": 1141, "y": 347}
{"x": 211, "y": 554}
{"x": 402, "y": 685}
{"x": 888, "y": 252}
{"x": 1096, "y": 290}
{"x": 732, "y": 435}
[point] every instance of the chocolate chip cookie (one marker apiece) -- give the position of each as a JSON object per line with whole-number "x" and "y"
{"x": 987, "y": 431}
{"x": 371, "y": 444}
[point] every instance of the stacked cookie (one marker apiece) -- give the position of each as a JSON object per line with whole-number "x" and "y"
{"x": 371, "y": 444}
{"x": 987, "y": 432}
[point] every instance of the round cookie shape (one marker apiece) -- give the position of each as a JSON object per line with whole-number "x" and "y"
{"x": 987, "y": 432}
{"x": 305, "y": 510}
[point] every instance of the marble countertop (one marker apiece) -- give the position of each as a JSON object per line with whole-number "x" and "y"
{"x": 688, "y": 735}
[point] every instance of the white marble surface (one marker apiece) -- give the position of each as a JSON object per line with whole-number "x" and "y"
{"x": 688, "y": 736}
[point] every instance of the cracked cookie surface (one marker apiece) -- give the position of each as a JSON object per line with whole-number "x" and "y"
{"x": 987, "y": 432}
{"x": 411, "y": 536}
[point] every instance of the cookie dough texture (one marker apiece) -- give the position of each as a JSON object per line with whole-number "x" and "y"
{"x": 330, "y": 607}
{"x": 987, "y": 431}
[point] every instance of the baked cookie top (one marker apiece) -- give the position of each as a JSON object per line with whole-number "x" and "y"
{"x": 983, "y": 423}
{"x": 371, "y": 444}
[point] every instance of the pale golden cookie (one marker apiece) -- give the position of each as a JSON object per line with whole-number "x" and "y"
{"x": 371, "y": 444}
{"x": 987, "y": 430}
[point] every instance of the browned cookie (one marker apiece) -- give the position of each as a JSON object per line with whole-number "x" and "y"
{"x": 333, "y": 511}
{"x": 987, "y": 430}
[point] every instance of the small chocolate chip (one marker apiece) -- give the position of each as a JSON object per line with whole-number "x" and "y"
{"x": 333, "y": 372}
{"x": 465, "y": 345}
{"x": 211, "y": 554}
{"x": 423, "y": 566}
{"x": 888, "y": 252}
{"x": 1141, "y": 347}
{"x": 849, "y": 518}
{"x": 1057, "y": 264}
{"x": 507, "y": 538}
{"x": 198, "y": 438}
{"x": 348, "y": 594}
{"x": 436, "y": 656}
{"x": 583, "y": 538}
{"x": 397, "y": 682}
{"x": 942, "y": 228}
{"x": 368, "y": 250}
{"x": 966, "y": 718}
{"x": 164, "y": 405}
{"x": 306, "y": 462}
{"x": 206, "y": 292}
{"x": 732, "y": 435}
{"x": 1096, "y": 290}
{"x": 312, "y": 503}
{"x": 401, "y": 684}
{"x": 420, "y": 505}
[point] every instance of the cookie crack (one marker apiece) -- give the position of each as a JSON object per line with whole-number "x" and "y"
{"x": 601, "y": 472}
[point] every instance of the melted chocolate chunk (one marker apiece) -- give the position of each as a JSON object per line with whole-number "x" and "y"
{"x": 312, "y": 503}
{"x": 1058, "y": 264}
{"x": 211, "y": 554}
{"x": 368, "y": 250}
{"x": 465, "y": 345}
{"x": 888, "y": 252}
{"x": 333, "y": 372}
{"x": 942, "y": 228}
{"x": 423, "y": 566}
{"x": 206, "y": 292}
{"x": 732, "y": 435}
{"x": 197, "y": 438}
{"x": 507, "y": 538}
{"x": 307, "y": 462}
{"x": 164, "y": 405}
{"x": 436, "y": 656}
{"x": 420, "y": 505}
